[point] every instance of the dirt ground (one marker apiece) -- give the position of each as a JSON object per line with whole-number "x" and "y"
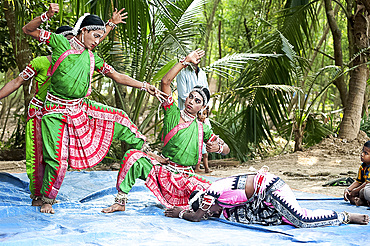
{"x": 306, "y": 171}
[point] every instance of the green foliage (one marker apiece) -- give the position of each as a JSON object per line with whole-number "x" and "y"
{"x": 315, "y": 130}
{"x": 17, "y": 139}
{"x": 7, "y": 59}
{"x": 365, "y": 125}
{"x": 267, "y": 86}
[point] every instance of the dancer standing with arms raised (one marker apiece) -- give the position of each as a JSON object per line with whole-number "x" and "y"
{"x": 77, "y": 131}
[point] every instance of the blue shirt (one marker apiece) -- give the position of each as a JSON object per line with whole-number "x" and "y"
{"x": 186, "y": 80}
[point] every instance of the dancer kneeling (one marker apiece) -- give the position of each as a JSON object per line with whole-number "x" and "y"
{"x": 259, "y": 198}
{"x": 184, "y": 135}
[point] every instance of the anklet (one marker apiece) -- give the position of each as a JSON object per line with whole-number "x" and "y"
{"x": 121, "y": 198}
{"x": 48, "y": 200}
{"x": 346, "y": 217}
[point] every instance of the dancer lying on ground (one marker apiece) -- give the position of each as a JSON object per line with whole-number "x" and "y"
{"x": 355, "y": 192}
{"x": 39, "y": 70}
{"x": 172, "y": 182}
{"x": 258, "y": 198}
{"x": 77, "y": 131}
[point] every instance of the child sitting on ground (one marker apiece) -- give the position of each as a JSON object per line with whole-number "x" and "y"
{"x": 203, "y": 117}
{"x": 356, "y": 193}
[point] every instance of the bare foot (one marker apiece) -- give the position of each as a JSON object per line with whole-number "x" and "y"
{"x": 208, "y": 170}
{"x": 47, "y": 208}
{"x": 362, "y": 219}
{"x": 115, "y": 207}
{"x": 37, "y": 203}
{"x": 197, "y": 171}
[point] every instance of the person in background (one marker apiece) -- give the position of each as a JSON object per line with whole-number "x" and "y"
{"x": 203, "y": 117}
{"x": 355, "y": 193}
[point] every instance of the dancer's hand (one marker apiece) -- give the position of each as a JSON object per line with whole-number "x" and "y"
{"x": 212, "y": 146}
{"x": 346, "y": 194}
{"x": 53, "y": 9}
{"x": 173, "y": 212}
{"x": 195, "y": 56}
{"x": 152, "y": 90}
{"x": 160, "y": 95}
{"x": 119, "y": 17}
{"x": 355, "y": 192}
{"x": 158, "y": 158}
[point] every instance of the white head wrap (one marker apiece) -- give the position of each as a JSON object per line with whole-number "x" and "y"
{"x": 77, "y": 26}
{"x": 195, "y": 198}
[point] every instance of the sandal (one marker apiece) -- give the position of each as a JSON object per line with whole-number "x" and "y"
{"x": 340, "y": 182}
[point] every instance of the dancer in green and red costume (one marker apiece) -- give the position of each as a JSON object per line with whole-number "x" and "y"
{"x": 39, "y": 70}
{"x": 171, "y": 177}
{"x": 77, "y": 131}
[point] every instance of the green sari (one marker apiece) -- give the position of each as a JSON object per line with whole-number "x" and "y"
{"x": 77, "y": 131}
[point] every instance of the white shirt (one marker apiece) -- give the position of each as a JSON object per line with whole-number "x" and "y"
{"x": 186, "y": 80}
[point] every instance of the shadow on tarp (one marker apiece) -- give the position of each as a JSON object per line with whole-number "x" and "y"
{"x": 78, "y": 220}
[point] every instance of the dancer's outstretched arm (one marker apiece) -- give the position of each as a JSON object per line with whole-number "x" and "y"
{"x": 117, "y": 18}
{"x": 11, "y": 86}
{"x": 177, "y": 212}
{"x": 194, "y": 57}
{"x": 127, "y": 80}
{"x": 31, "y": 28}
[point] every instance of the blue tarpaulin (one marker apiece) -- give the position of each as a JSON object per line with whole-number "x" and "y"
{"x": 78, "y": 219}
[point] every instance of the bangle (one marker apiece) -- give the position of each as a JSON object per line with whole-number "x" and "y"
{"x": 221, "y": 148}
{"x": 183, "y": 62}
{"x": 143, "y": 88}
{"x": 44, "y": 17}
{"x": 181, "y": 214}
{"x": 111, "y": 24}
{"x": 348, "y": 190}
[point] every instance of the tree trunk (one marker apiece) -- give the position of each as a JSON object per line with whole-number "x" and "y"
{"x": 298, "y": 138}
{"x": 338, "y": 55}
{"x": 350, "y": 125}
{"x": 209, "y": 29}
{"x": 219, "y": 56}
{"x": 21, "y": 48}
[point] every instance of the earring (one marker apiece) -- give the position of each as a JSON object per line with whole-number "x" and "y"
{"x": 82, "y": 38}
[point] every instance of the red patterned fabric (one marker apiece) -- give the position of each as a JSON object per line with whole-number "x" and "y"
{"x": 44, "y": 36}
{"x": 28, "y": 72}
{"x": 89, "y": 138}
{"x": 105, "y": 69}
{"x": 128, "y": 160}
{"x": 62, "y": 153}
{"x": 171, "y": 189}
{"x": 168, "y": 103}
{"x": 35, "y": 112}
{"x": 174, "y": 189}
{"x": 39, "y": 164}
